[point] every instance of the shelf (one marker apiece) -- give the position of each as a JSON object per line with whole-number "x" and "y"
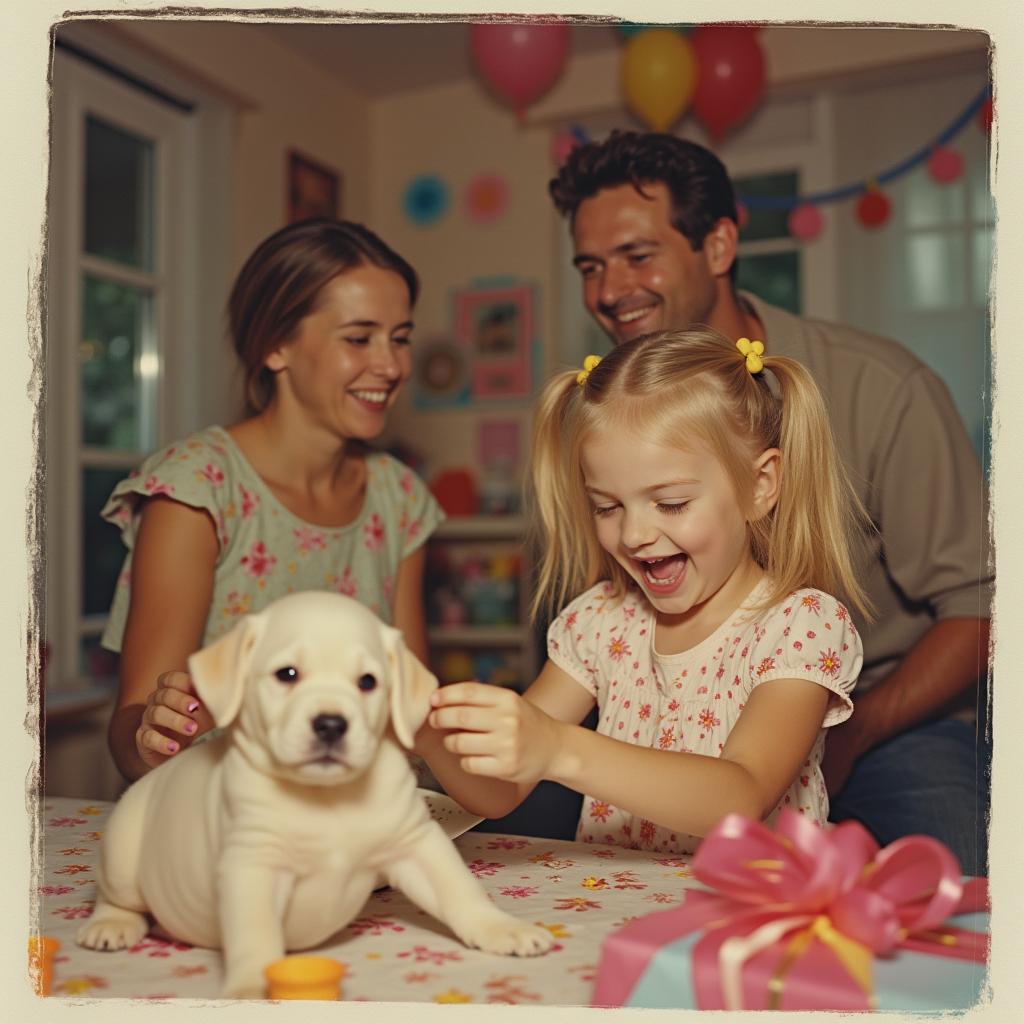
{"x": 481, "y": 528}
{"x": 477, "y": 636}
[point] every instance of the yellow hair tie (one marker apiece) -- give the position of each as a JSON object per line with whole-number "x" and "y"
{"x": 588, "y": 364}
{"x": 753, "y": 350}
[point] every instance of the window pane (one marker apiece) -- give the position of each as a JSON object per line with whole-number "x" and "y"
{"x": 766, "y": 223}
{"x": 931, "y": 205}
{"x": 981, "y": 252}
{"x": 118, "y": 195}
{"x": 982, "y": 206}
{"x": 774, "y": 277}
{"x": 102, "y": 550}
{"x": 114, "y": 414}
{"x": 936, "y": 271}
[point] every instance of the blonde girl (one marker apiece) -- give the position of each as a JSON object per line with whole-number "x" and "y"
{"x": 692, "y": 502}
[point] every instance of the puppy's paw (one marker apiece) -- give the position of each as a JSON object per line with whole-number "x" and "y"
{"x": 244, "y": 989}
{"x": 112, "y": 928}
{"x": 509, "y": 937}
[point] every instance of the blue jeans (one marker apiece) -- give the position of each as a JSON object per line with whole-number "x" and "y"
{"x": 933, "y": 779}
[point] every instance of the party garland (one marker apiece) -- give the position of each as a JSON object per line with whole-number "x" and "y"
{"x": 896, "y": 171}
{"x": 869, "y": 188}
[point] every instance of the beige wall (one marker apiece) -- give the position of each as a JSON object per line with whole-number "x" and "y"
{"x": 458, "y": 132}
{"x": 283, "y": 101}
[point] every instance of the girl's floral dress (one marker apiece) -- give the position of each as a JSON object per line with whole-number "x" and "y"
{"x": 266, "y": 551}
{"x": 690, "y": 701}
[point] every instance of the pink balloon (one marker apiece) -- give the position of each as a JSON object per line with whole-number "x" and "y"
{"x": 805, "y": 222}
{"x": 519, "y": 62}
{"x": 945, "y": 165}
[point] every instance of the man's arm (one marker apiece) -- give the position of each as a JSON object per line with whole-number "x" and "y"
{"x": 952, "y": 656}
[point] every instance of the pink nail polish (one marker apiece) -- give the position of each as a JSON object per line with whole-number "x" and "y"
{"x": 172, "y": 747}
{"x": 192, "y": 707}
{"x": 190, "y": 727}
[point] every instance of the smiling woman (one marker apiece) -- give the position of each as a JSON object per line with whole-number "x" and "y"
{"x": 289, "y": 499}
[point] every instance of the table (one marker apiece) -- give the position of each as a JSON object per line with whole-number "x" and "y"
{"x": 392, "y": 951}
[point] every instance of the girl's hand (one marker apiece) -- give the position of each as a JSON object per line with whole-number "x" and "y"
{"x": 495, "y": 732}
{"x": 173, "y": 718}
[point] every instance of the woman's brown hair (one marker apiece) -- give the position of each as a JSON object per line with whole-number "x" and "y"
{"x": 281, "y": 281}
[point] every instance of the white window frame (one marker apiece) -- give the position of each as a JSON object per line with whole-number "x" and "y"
{"x": 81, "y": 91}
{"x": 192, "y": 260}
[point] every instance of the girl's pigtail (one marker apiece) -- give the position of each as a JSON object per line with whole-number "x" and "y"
{"x": 819, "y": 525}
{"x": 557, "y": 541}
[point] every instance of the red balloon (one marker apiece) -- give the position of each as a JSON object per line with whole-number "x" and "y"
{"x": 873, "y": 208}
{"x": 519, "y": 62}
{"x": 730, "y": 76}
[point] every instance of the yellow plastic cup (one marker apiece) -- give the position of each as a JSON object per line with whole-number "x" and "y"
{"x": 41, "y": 949}
{"x": 304, "y": 977}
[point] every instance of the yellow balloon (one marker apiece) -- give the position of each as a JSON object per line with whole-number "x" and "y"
{"x": 659, "y": 76}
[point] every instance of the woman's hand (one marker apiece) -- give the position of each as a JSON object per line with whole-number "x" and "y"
{"x": 173, "y": 718}
{"x": 495, "y": 732}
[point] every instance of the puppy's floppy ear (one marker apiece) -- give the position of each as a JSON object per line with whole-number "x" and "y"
{"x": 412, "y": 683}
{"x": 220, "y": 670}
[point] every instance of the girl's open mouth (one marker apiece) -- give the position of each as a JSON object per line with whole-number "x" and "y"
{"x": 663, "y": 575}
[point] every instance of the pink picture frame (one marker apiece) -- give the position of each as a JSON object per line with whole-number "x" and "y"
{"x": 496, "y": 325}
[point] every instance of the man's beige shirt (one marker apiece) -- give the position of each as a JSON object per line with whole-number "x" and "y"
{"x": 914, "y": 468}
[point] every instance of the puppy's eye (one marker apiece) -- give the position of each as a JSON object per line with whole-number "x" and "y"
{"x": 288, "y": 674}
{"x": 367, "y": 683}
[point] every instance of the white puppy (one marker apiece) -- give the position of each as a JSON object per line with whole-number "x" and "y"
{"x": 270, "y": 837}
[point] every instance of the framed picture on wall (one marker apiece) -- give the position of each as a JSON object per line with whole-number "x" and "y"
{"x": 313, "y": 190}
{"x": 496, "y": 327}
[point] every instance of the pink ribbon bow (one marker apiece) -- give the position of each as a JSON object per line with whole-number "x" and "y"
{"x": 826, "y": 900}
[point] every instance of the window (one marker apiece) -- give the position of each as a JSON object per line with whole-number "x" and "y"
{"x": 113, "y": 266}
{"x": 768, "y": 261}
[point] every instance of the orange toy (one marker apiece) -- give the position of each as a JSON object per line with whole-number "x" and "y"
{"x": 304, "y": 977}
{"x": 41, "y": 949}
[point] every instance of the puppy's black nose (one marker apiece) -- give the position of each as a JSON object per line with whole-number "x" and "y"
{"x": 330, "y": 728}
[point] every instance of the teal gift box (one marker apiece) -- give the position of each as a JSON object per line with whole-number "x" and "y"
{"x": 806, "y": 918}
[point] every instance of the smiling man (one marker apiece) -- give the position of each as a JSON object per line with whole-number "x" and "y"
{"x": 654, "y": 227}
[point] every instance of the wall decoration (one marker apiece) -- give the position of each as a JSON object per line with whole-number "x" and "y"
{"x": 313, "y": 190}
{"x": 440, "y": 375}
{"x": 486, "y": 198}
{"x": 496, "y": 326}
{"x": 425, "y": 200}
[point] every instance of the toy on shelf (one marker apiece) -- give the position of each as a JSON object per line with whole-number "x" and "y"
{"x": 498, "y": 668}
{"x": 456, "y": 492}
{"x": 41, "y": 951}
{"x": 481, "y": 588}
{"x": 304, "y": 977}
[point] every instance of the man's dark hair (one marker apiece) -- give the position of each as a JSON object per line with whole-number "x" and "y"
{"x": 696, "y": 179}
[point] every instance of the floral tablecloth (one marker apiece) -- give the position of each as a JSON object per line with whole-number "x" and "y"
{"x": 392, "y": 951}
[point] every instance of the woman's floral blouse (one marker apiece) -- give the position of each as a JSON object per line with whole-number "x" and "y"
{"x": 265, "y": 550}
